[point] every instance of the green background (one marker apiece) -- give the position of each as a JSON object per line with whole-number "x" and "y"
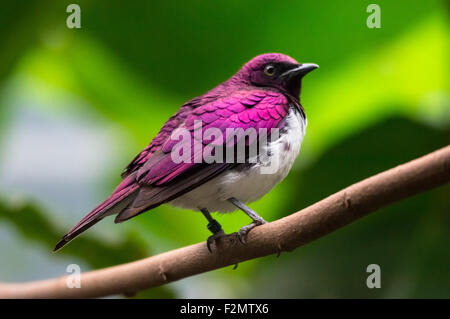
{"x": 76, "y": 105}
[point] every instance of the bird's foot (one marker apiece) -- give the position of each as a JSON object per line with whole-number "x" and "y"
{"x": 257, "y": 220}
{"x": 243, "y": 232}
{"x": 212, "y": 239}
{"x": 215, "y": 228}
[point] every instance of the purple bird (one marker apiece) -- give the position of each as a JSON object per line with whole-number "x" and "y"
{"x": 263, "y": 97}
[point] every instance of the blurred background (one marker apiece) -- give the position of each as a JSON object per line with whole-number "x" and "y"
{"x": 76, "y": 105}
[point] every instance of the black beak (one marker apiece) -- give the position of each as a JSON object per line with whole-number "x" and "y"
{"x": 300, "y": 70}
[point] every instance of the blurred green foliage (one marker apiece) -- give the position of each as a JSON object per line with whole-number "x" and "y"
{"x": 379, "y": 99}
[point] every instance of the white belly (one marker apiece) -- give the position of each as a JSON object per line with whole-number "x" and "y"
{"x": 249, "y": 185}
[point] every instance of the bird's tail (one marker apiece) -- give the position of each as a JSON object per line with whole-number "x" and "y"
{"x": 122, "y": 196}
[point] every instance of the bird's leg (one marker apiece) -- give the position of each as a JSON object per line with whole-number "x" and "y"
{"x": 257, "y": 220}
{"x": 214, "y": 227}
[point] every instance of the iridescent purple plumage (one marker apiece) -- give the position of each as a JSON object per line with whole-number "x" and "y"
{"x": 250, "y": 99}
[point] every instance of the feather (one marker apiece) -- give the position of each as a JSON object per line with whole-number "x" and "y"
{"x": 153, "y": 178}
{"x": 123, "y": 195}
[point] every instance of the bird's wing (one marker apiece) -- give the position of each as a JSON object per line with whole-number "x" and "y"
{"x": 162, "y": 179}
{"x": 152, "y": 178}
{"x": 172, "y": 123}
{"x": 127, "y": 190}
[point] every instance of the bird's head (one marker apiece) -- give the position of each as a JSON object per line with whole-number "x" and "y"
{"x": 275, "y": 70}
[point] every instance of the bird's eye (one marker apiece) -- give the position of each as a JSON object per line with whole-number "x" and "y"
{"x": 269, "y": 70}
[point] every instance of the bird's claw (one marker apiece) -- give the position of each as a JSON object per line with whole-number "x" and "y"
{"x": 243, "y": 232}
{"x": 212, "y": 239}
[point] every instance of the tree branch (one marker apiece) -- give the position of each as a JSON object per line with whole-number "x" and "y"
{"x": 284, "y": 234}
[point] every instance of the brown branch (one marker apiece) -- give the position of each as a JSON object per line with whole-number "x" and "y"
{"x": 284, "y": 234}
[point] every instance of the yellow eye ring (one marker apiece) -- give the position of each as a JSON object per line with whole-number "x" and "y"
{"x": 269, "y": 70}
